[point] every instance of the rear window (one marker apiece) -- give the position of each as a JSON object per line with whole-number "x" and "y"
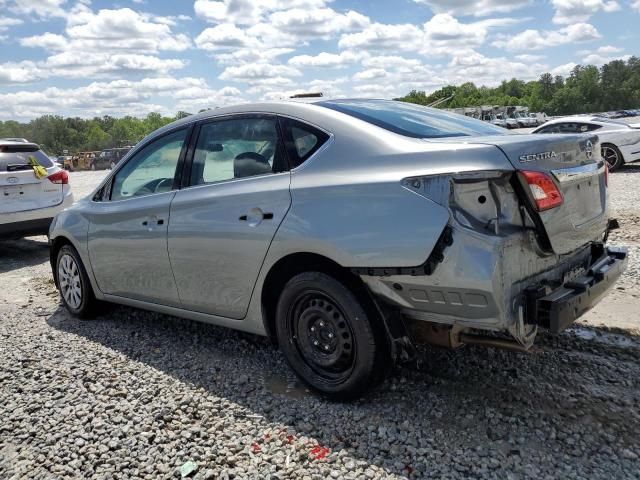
{"x": 413, "y": 120}
{"x": 16, "y": 157}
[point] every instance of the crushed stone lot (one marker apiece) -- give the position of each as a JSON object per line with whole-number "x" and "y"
{"x": 133, "y": 394}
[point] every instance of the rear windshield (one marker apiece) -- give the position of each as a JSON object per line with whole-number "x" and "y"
{"x": 413, "y": 120}
{"x": 16, "y": 157}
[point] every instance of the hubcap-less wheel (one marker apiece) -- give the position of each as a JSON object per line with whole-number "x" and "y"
{"x": 69, "y": 280}
{"x": 611, "y": 157}
{"x": 322, "y": 335}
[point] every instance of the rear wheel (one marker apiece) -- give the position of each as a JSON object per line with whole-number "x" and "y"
{"x": 612, "y": 156}
{"x": 328, "y": 337}
{"x": 73, "y": 283}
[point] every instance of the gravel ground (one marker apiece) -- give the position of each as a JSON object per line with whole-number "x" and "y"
{"x": 134, "y": 394}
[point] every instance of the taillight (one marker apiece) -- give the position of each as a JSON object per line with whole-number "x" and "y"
{"x": 544, "y": 191}
{"x": 61, "y": 177}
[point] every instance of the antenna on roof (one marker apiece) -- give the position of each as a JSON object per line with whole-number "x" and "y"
{"x": 307, "y": 95}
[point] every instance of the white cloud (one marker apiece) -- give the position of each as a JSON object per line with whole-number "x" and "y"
{"x": 479, "y": 8}
{"x": 119, "y": 97}
{"x": 602, "y": 55}
{"x": 380, "y": 37}
{"x": 255, "y": 72}
{"x": 40, "y": 8}
{"x": 326, "y": 60}
{"x": 636, "y": 5}
{"x": 247, "y": 12}
{"x": 537, "y": 40}
{"x": 441, "y": 35}
{"x": 19, "y": 72}
{"x": 6, "y": 22}
{"x": 225, "y": 36}
{"x": 124, "y": 29}
{"x": 564, "y": 70}
{"x": 317, "y": 22}
{"x": 371, "y": 74}
{"x": 48, "y": 41}
{"x": 572, "y": 11}
{"x": 527, "y": 57}
{"x": 106, "y": 43}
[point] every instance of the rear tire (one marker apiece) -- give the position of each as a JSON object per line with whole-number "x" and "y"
{"x": 73, "y": 283}
{"x": 612, "y": 156}
{"x": 329, "y": 339}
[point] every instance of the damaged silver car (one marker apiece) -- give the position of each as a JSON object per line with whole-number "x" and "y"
{"x": 347, "y": 231}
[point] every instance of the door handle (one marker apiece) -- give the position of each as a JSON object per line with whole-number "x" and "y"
{"x": 265, "y": 216}
{"x": 158, "y": 221}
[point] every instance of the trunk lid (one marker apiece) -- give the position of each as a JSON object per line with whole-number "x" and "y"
{"x": 575, "y": 165}
{"x": 20, "y": 189}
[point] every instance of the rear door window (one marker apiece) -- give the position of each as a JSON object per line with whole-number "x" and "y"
{"x": 16, "y": 157}
{"x": 234, "y": 148}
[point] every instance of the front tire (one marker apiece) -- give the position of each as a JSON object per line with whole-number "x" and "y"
{"x": 329, "y": 339}
{"x": 612, "y": 156}
{"x": 73, "y": 283}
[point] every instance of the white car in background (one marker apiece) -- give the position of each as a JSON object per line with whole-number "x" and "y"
{"x": 28, "y": 203}
{"x": 619, "y": 141}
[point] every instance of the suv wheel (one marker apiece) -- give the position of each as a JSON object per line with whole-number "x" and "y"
{"x": 73, "y": 283}
{"x": 328, "y": 337}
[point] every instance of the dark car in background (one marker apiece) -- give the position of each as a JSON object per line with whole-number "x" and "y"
{"x": 109, "y": 158}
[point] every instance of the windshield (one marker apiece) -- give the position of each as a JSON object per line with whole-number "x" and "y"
{"x": 412, "y": 120}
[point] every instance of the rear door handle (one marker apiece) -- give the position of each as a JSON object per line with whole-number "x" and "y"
{"x": 151, "y": 220}
{"x": 255, "y": 217}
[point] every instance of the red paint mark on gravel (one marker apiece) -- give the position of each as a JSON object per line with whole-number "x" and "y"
{"x": 319, "y": 452}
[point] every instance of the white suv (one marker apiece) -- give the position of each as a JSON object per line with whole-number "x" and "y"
{"x": 28, "y": 203}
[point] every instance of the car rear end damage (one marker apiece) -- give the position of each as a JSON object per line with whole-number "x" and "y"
{"x": 524, "y": 247}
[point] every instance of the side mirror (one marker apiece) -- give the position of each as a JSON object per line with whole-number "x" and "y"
{"x": 215, "y": 147}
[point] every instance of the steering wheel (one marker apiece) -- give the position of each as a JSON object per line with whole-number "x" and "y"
{"x": 165, "y": 182}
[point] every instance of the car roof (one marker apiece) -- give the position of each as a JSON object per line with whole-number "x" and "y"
{"x": 294, "y": 108}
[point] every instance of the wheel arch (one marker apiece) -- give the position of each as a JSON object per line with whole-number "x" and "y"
{"x": 55, "y": 245}
{"x": 293, "y": 264}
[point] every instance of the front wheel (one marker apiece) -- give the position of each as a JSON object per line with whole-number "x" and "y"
{"x": 73, "y": 283}
{"x": 612, "y": 156}
{"x": 330, "y": 340}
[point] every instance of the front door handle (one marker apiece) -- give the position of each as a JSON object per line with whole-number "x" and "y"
{"x": 265, "y": 216}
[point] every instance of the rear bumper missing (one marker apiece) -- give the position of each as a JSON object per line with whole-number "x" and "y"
{"x": 558, "y": 309}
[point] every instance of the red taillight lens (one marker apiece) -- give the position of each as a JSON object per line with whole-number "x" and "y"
{"x": 544, "y": 191}
{"x": 61, "y": 177}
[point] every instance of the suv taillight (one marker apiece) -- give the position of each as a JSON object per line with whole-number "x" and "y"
{"x": 60, "y": 177}
{"x": 543, "y": 189}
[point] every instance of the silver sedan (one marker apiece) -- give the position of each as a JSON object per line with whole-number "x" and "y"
{"x": 347, "y": 231}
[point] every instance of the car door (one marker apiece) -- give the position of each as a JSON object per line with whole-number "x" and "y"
{"x": 222, "y": 223}
{"x": 127, "y": 238}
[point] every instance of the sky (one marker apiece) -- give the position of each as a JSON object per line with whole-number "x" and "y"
{"x": 91, "y": 58}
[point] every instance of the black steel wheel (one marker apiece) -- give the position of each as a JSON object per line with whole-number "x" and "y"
{"x": 328, "y": 337}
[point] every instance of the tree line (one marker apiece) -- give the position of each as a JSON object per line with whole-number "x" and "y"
{"x": 587, "y": 89}
{"x": 55, "y": 134}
